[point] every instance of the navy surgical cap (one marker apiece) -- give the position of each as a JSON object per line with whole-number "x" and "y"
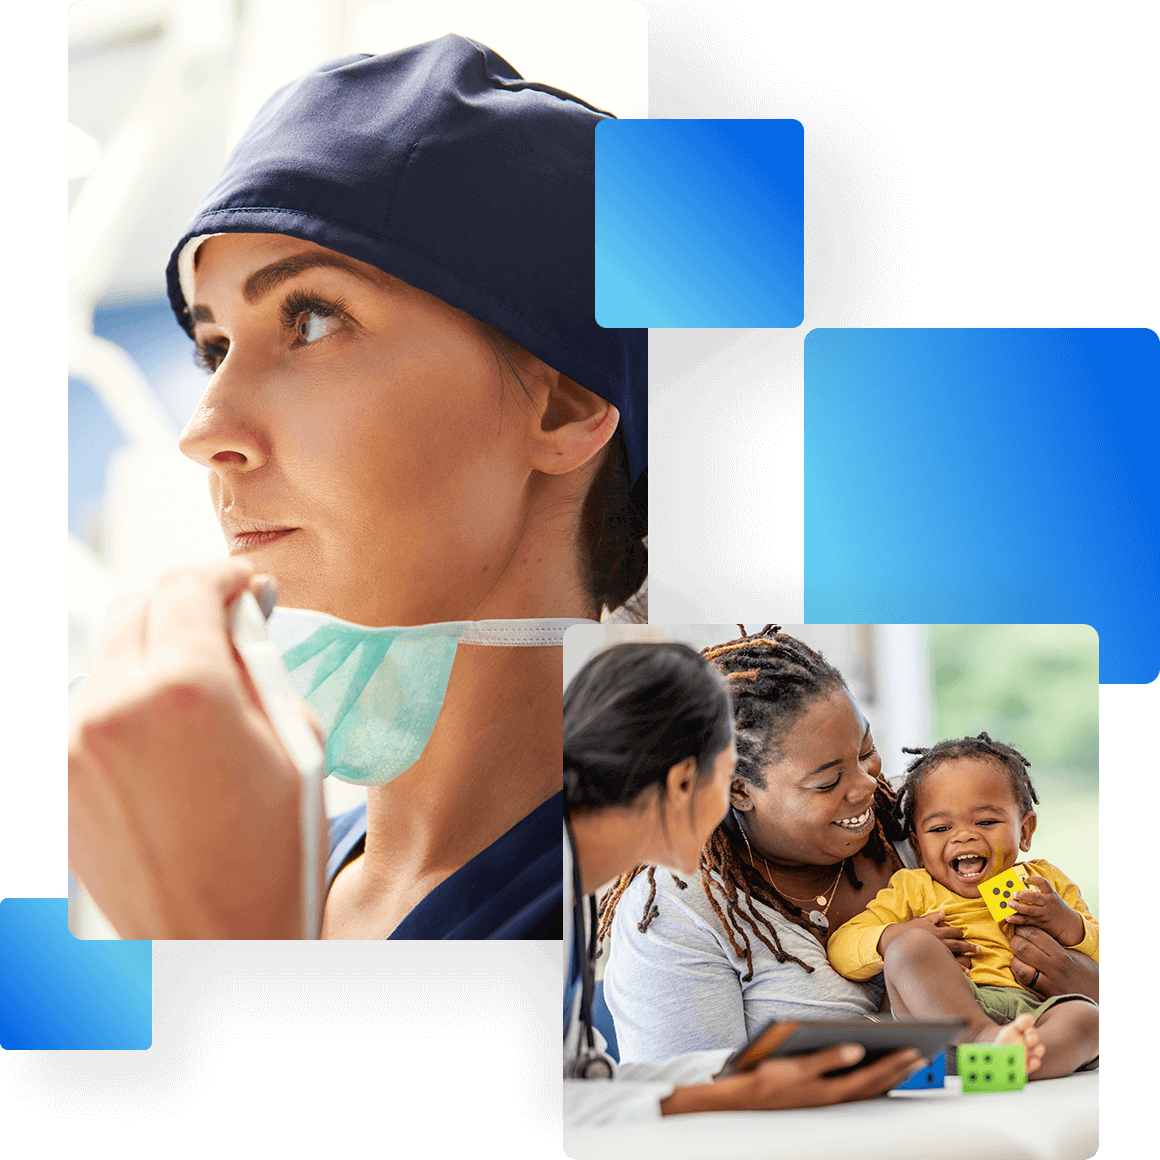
{"x": 442, "y": 166}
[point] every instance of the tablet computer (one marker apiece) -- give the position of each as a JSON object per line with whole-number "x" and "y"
{"x": 799, "y": 1037}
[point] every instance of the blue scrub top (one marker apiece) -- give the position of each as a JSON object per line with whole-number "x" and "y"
{"x": 511, "y": 890}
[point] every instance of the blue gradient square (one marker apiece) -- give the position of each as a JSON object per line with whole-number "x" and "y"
{"x": 64, "y": 993}
{"x": 699, "y": 223}
{"x": 987, "y": 476}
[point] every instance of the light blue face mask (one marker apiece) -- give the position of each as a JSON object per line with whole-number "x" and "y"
{"x": 378, "y": 691}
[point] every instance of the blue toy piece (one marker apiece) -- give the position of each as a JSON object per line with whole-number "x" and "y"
{"x": 992, "y": 1067}
{"x": 930, "y": 1077}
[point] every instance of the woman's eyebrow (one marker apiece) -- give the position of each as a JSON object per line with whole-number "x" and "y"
{"x": 837, "y": 761}
{"x": 262, "y": 281}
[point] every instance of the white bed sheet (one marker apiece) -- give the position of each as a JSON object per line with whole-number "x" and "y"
{"x": 1053, "y": 1119}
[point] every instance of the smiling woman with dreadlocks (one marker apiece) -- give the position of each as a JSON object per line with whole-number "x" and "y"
{"x": 808, "y": 841}
{"x": 810, "y": 838}
{"x": 648, "y": 762}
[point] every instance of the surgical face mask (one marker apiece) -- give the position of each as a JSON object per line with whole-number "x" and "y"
{"x": 378, "y": 691}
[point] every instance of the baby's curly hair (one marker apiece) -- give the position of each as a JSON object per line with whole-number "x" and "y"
{"x": 1011, "y": 760}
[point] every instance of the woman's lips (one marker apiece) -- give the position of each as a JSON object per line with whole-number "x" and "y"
{"x": 856, "y": 825}
{"x": 247, "y": 541}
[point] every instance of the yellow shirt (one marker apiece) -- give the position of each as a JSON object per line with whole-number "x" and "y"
{"x": 853, "y": 947}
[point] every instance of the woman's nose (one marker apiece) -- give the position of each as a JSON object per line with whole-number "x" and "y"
{"x": 862, "y": 787}
{"x": 225, "y": 433}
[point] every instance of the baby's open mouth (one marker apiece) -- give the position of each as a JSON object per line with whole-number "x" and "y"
{"x": 969, "y": 867}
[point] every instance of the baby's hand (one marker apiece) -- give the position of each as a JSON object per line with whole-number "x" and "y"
{"x": 1045, "y": 909}
{"x": 951, "y": 936}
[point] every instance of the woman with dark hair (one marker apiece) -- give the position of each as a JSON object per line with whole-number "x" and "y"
{"x": 648, "y": 760}
{"x": 414, "y": 426}
{"x": 811, "y": 836}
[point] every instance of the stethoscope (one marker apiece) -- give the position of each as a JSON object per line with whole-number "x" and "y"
{"x": 590, "y": 1063}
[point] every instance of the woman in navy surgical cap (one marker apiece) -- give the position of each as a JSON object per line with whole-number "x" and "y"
{"x": 411, "y": 418}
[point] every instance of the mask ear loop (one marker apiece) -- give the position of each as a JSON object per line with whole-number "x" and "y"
{"x": 536, "y": 633}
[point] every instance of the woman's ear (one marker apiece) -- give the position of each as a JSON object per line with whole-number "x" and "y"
{"x": 739, "y": 797}
{"x": 680, "y": 781}
{"x": 574, "y": 424}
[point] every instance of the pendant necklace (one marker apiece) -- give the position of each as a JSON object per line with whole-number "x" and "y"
{"x": 815, "y": 917}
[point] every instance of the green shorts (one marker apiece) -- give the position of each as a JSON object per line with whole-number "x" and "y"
{"x": 1005, "y": 1004}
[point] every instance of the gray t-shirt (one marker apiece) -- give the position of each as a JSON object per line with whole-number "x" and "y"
{"x": 677, "y": 987}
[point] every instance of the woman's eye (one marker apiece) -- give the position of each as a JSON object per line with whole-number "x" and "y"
{"x": 209, "y": 355}
{"x": 824, "y": 788}
{"x": 868, "y": 754}
{"x": 310, "y": 326}
{"x": 308, "y": 316}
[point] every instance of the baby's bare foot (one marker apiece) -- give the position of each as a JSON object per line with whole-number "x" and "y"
{"x": 1021, "y": 1030}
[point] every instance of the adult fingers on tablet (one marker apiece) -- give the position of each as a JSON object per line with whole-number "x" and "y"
{"x": 801, "y": 1081}
{"x": 877, "y": 1077}
{"x": 796, "y": 1081}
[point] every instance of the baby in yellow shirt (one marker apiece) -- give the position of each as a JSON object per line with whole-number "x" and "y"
{"x": 968, "y": 807}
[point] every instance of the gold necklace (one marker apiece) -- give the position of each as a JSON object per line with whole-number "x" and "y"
{"x": 815, "y": 917}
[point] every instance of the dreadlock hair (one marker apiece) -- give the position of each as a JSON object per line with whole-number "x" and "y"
{"x": 773, "y": 679}
{"x": 1006, "y": 756}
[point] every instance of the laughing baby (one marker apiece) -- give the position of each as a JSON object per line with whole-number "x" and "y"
{"x": 968, "y": 806}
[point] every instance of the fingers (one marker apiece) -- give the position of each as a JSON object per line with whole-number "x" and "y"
{"x": 951, "y": 935}
{"x": 1032, "y": 902}
{"x": 876, "y": 1078}
{"x": 958, "y": 947}
{"x": 1033, "y": 962}
{"x": 935, "y": 917}
{"x": 832, "y": 1058}
{"x": 1033, "y": 946}
{"x": 186, "y": 619}
{"x": 801, "y": 1081}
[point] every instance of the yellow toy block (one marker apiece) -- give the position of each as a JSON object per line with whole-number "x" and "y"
{"x": 996, "y": 891}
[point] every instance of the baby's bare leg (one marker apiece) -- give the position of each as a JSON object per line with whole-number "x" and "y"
{"x": 924, "y": 981}
{"x": 1070, "y": 1034}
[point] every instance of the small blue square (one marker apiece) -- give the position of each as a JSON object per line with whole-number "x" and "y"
{"x": 63, "y": 993}
{"x": 699, "y": 223}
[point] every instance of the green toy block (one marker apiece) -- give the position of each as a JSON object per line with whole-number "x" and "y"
{"x": 992, "y": 1067}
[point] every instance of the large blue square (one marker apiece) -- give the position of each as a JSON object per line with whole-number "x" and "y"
{"x": 987, "y": 476}
{"x": 699, "y": 223}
